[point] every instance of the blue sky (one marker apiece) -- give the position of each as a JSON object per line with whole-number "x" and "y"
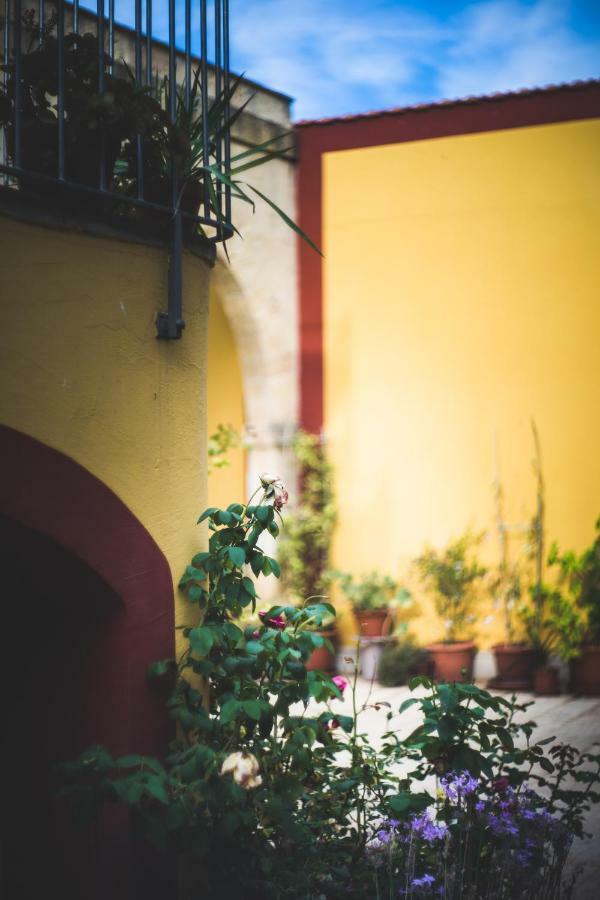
{"x": 348, "y": 56}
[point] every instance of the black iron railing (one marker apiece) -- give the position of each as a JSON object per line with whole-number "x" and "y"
{"x": 105, "y": 117}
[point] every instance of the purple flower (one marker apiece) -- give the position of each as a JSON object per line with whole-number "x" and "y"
{"x": 458, "y": 785}
{"x": 424, "y": 827}
{"x": 384, "y": 837}
{"x": 502, "y": 824}
{"x": 523, "y": 857}
{"x": 422, "y": 881}
{"x": 480, "y": 806}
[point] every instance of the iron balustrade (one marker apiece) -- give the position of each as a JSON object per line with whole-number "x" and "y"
{"x": 41, "y": 150}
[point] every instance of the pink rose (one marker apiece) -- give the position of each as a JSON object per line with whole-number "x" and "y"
{"x": 340, "y": 683}
{"x": 273, "y": 622}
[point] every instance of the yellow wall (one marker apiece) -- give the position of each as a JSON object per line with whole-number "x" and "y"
{"x": 461, "y": 299}
{"x": 82, "y": 371}
{"x": 225, "y": 406}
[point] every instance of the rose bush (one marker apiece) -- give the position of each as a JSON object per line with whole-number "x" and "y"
{"x": 267, "y": 771}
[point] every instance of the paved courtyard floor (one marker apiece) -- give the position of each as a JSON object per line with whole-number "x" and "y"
{"x": 572, "y": 720}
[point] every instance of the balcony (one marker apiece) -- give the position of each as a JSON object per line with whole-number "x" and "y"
{"x": 101, "y": 121}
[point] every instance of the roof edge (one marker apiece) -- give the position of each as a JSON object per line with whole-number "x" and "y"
{"x": 444, "y": 104}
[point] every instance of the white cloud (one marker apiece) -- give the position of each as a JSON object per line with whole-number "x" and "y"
{"x": 503, "y": 45}
{"x": 339, "y": 57}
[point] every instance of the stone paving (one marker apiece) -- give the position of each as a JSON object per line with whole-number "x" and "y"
{"x": 570, "y": 719}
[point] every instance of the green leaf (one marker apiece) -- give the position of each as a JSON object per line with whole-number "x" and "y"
{"x": 409, "y": 702}
{"x": 289, "y": 222}
{"x": 252, "y": 709}
{"x": 248, "y": 586}
{"x": 546, "y": 765}
{"x": 405, "y": 801}
{"x": 160, "y": 667}
{"x": 505, "y": 739}
{"x": 264, "y": 514}
{"x": 129, "y": 762}
{"x": 201, "y": 640}
{"x": 208, "y": 513}
{"x": 199, "y": 559}
{"x": 275, "y": 567}
{"x": 447, "y": 728}
{"x": 420, "y": 680}
{"x": 156, "y": 788}
{"x": 237, "y": 555}
{"x": 229, "y": 711}
{"x": 196, "y": 593}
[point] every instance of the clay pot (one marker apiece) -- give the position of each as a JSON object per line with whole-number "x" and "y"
{"x": 322, "y": 658}
{"x": 545, "y": 681}
{"x": 373, "y": 622}
{"x": 514, "y": 664}
{"x": 585, "y": 671}
{"x": 453, "y": 662}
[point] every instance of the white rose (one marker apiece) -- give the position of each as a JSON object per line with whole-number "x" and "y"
{"x": 244, "y": 768}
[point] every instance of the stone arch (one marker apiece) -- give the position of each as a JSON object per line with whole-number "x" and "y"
{"x": 106, "y": 594}
{"x": 266, "y": 345}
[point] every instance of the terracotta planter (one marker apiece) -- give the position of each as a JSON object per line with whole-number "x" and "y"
{"x": 585, "y": 671}
{"x": 453, "y": 662}
{"x": 322, "y": 658}
{"x": 545, "y": 681}
{"x": 515, "y": 664}
{"x": 373, "y": 622}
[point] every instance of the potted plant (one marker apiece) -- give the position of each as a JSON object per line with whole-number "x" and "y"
{"x": 451, "y": 576}
{"x": 401, "y": 660}
{"x": 580, "y": 575}
{"x": 514, "y": 658}
{"x": 374, "y": 598}
{"x": 554, "y": 627}
{"x": 98, "y": 127}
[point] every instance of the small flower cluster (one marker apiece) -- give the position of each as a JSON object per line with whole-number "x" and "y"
{"x": 458, "y": 785}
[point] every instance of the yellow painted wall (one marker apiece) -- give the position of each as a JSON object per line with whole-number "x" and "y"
{"x": 82, "y": 371}
{"x": 225, "y": 406}
{"x": 461, "y": 299}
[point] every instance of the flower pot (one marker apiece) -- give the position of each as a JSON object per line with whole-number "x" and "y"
{"x": 322, "y": 658}
{"x": 514, "y": 664}
{"x": 373, "y": 622}
{"x": 585, "y": 671}
{"x": 546, "y": 682}
{"x": 453, "y": 662}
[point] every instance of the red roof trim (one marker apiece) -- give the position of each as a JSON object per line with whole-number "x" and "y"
{"x": 461, "y": 101}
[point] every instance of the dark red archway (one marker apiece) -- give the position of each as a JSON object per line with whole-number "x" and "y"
{"x": 111, "y": 601}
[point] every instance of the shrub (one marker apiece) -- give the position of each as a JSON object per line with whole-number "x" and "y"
{"x": 400, "y": 660}
{"x": 308, "y": 529}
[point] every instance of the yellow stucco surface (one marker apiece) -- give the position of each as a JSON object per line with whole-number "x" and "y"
{"x": 460, "y": 300}
{"x": 82, "y": 371}
{"x": 225, "y": 406}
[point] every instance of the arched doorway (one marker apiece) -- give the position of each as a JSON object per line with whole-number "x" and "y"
{"x": 87, "y": 604}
